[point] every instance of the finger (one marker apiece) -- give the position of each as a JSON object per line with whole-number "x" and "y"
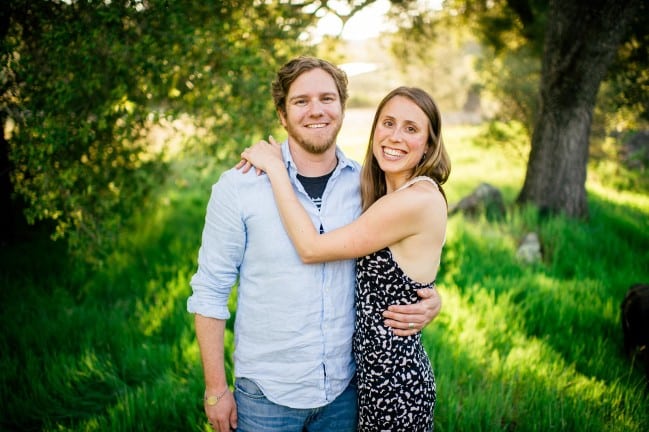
{"x": 224, "y": 425}
{"x": 409, "y": 322}
{"x": 409, "y": 309}
{"x": 402, "y": 319}
{"x": 404, "y": 333}
{"x": 246, "y": 166}
{"x": 233, "y": 419}
{"x": 404, "y": 329}
{"x": 272, "y": 140}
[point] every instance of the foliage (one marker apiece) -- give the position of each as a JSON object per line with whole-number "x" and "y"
{"x": 516, "y": 347}
{"x": 85, "y": 81}
{"x": 629, "y": 75}
{"x": 503, "y": 24}
{"x": 512, "y": 37}
{"x": 512, "y": 138}
{"x": 432, "y": 53}
{"x": 511, "y": 81}
{"x": 620, "y": 171}
{"x": 504, "y": 54}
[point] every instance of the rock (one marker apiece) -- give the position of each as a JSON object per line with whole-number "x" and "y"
{"x": 635, "y": 324}
{"x": 529, "y": 249}
{"x": 485, "y": 199}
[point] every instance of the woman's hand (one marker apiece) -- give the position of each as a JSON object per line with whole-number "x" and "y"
{"x": 262, "y": 156}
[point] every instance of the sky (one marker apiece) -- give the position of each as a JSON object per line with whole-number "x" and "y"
{"x": 367, "y": 23}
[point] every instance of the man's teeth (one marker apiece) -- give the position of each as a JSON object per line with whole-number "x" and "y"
{"x": 316, "y": 126}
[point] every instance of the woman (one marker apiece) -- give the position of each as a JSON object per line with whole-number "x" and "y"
{"x": 399, "y": 239}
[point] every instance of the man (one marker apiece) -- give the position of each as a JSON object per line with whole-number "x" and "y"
{"x": 293, "y": 362}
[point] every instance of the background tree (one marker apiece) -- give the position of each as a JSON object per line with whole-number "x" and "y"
{"x": 84, "y": 81}
{"x": 570, "y": 47}
{"x": 581, "y": 42}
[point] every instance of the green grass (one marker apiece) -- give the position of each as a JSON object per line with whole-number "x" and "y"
{"x": 517, "y": 347}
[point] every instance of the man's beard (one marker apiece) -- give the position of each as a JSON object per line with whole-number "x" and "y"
{"x": 314, "y": 145}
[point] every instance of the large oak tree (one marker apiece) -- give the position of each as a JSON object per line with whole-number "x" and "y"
{"x": 579, "y": 43}
{"x": 83, "y": 82}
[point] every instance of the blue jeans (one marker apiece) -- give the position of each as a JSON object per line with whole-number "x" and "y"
{"x": 257, "y": 414}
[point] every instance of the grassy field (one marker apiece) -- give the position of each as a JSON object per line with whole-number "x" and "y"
{"x": 517, "y": 347}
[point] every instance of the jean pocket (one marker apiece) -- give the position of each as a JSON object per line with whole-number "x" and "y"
{"x": 248, "y": 387}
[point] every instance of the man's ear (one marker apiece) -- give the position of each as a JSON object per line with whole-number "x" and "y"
{"x": 282, "y": 117}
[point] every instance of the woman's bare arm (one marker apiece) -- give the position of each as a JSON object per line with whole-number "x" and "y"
{"x": 391, "y": 219}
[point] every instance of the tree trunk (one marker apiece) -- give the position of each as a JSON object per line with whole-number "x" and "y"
{"x": 582, "y": 38}
{"x": 6, "y": 189}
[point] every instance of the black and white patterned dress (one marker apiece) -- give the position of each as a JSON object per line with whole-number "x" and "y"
{"x": 396, "y": 385}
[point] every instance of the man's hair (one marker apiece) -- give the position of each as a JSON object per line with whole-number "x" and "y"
{"x": 296, "y": 67}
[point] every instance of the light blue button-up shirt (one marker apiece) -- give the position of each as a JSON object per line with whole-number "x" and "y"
{"x": 294, "y": 322}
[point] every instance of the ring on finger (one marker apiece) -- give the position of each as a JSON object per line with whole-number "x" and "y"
{"x": 411, "y": 326}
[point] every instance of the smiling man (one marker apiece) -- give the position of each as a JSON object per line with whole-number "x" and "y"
{"x": 293, "y": 360}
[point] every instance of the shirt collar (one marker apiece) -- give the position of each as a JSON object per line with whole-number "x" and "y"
{"x": 343, "y": 161}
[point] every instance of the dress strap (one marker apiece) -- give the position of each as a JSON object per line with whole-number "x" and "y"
{"x": 418, "y": 179}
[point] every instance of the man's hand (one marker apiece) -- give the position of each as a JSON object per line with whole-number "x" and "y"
{"x": 407, "y": 320}
{"x": 222, "y": 416}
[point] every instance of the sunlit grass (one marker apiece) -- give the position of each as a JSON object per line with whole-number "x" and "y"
{"x": 517, "y": 347}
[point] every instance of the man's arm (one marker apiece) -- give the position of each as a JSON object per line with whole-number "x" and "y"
{"x": 406, "y": 320}
{"x": 210, "y": 333}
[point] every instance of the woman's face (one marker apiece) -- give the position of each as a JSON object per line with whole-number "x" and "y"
{"x": 401, "y": 135}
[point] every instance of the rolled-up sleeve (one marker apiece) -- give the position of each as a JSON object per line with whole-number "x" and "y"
{"x": 220, "y": 253}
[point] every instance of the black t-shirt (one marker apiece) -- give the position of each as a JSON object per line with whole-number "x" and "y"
{"x": 315, "y": 186}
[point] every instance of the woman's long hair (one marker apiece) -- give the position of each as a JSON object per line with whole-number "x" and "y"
{"x": 435, "y": 164}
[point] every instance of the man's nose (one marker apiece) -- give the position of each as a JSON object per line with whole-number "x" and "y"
{"x": 316, "y": 109}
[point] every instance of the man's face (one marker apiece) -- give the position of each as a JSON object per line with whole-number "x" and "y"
{"x": 314, "y": 112}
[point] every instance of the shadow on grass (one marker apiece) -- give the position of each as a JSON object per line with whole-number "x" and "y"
{"x": 569, "y": 304}
{"x": 110, "y": 348}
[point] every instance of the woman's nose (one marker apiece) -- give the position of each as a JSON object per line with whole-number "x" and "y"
{"x": 396, "y": 134}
